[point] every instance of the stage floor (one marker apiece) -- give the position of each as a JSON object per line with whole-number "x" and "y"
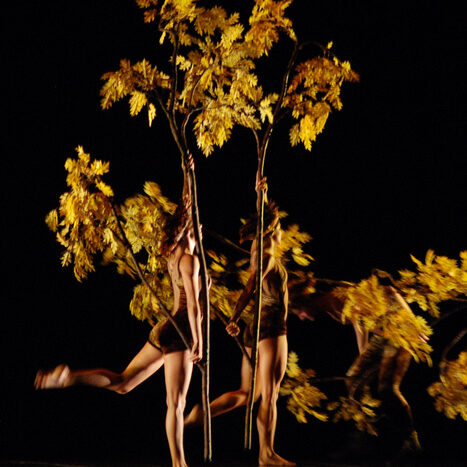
{"x": 235, "y": 463}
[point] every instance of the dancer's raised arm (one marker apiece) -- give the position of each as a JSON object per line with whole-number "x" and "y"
{"x": 189, "y": 270}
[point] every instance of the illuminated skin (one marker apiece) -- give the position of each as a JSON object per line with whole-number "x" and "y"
{"x": 272, "y": 358}
{"x": 178, "y": 366}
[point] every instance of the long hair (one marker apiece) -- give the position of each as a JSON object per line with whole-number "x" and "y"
{"x": 271, "y": 221}
{"x": 176, "y": 227}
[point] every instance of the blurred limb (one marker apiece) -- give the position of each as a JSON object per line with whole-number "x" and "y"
{"x": 144, "y": 364}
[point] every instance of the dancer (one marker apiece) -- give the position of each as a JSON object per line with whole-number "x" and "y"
{"x": 164, "y": 347}
{"x": 378, "y": 357}
{"x": 272, "y": 347}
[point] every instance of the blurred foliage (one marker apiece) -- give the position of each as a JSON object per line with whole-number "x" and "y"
{"x": 450, "y": 393}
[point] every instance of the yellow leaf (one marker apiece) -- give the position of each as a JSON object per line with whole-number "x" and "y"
{"x": 52, "y": 220}
{"x": 137, "y": 101}
{"x": 151, "y": 113}
{"x": 106, "y": 189}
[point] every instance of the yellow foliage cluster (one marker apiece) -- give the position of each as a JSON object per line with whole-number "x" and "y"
{"x": 305, "y": 399}
{"x": 143, "y": 220}
{"x": 362, "y": 411}
{"x": 313, "y": 92}
{"x": 437, "y": 279}
{"x": 223, "y": 297}
{"x": 144, "y": 306}
{"x": 450, "y": 393}
{"x": 212, "y": 73}
{"x": 144, "y": 217}
{"x": 302, "y": 398}
{"x": 83, "y": 222}
{"x": 291, "y": 246}
{"x": 137, "y": 81}
{"x": 266, "y": 21}
{"x": 88, "y": 222}
{"x": 379, "y": 308}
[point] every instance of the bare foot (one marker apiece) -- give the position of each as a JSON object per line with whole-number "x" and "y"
{"x": 195, "y": 417}
{"x": 59, "y": 377}
{"x": 273, "y": 459}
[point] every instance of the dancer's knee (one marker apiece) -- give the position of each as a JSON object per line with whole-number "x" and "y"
{"x": 270, "y": 394}
{"x": 242, "y": 396}
{"x": 237, "y": 398}
{"x": 176, "y": 402}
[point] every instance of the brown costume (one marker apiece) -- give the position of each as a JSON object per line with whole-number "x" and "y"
{"x": 164, "y": 336}
{"x": 273, "y": 314}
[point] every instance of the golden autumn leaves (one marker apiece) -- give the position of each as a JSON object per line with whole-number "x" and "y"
{"x": 83, "y": 221}
{"x": 450, "y": 392}
{"x": 88, "y": 223}
{"x": 215, "y": 79}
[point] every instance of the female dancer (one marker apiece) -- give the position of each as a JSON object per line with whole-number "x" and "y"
{"x": 164, "y": 347}
{"x": 378, "y": 358}
{"x": 272, "y": 347}
{"x": 381, "y": 357}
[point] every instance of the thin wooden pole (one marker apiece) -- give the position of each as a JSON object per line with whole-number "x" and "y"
{"x": 257, "y": 314}
{"x": 206, "y": 322}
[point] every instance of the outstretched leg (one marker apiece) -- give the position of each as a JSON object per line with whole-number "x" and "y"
{"x": 178, "y": 369}
{"x": 271, "y": 369}
{"x": 144, "y": 364}
{"x": 227, "y": 401}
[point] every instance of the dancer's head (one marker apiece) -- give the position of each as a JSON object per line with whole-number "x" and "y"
{"x": 178, "y": 230}
{"x": 272, "y": 225}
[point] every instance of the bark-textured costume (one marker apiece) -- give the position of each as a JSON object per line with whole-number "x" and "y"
{"x": 273, "y": 312}
{"x": 164, "y": 336}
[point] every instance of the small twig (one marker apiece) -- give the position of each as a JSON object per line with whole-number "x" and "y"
{"x": 334, "y": 282}
{"x": 329, "y": 379}
{"x": 453, "y": 343}
{"x": 226, "y": 241}
{"x": 446, "y": 315}
{"x": 384, "y": 275}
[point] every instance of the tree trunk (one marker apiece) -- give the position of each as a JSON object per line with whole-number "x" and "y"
{"x": 257, "y": 315}
{"x": 180, "y": 141}
{"x": 206, "y": 322}
{"x": 261, "y": 152}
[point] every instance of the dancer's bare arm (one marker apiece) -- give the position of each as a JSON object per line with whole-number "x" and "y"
{"x": 361, "y": 335}
{"x": 189, "y": 270}
{"x": 247, "y": 294}
{"x": 249, "y": 290}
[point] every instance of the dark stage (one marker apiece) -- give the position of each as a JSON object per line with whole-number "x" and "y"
{"x": 386, "y": 179}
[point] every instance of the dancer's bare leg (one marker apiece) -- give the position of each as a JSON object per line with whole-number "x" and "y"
{"x": 271, "y": 369}
{"x": 178, "y": 369}
{"x": 394, "y": 366}
{"x": 144, "y": 364}
{"x": 227, "y": 401}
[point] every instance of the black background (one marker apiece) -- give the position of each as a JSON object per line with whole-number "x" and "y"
{"x": 386, "y": 179}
